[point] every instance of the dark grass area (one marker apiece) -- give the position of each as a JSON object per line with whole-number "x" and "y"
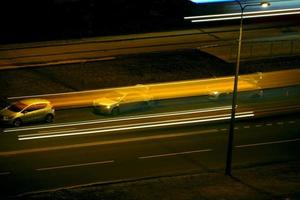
{"x": 275, "y": 181}
{"x": 129, "y": 70}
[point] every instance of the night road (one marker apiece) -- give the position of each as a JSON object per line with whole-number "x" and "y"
{"x": 173, "y": 137}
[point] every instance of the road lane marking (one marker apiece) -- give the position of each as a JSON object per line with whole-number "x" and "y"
{"x": 280, "y": 123}
{"x": 269, "y": 124}
{"x": 118, "y": 119}
{"x": 258, "y": 125}
{"x": 4, "y": 173}
{"x": 133, "y": 126}
{"x": 175, "y": 154}
{"x": 246, "y": 127}
{"x": 267, "y": 143}
{"x": 75, "y": 165}
{"x": 98, "y": 143}
{"x": 291, "y": 122}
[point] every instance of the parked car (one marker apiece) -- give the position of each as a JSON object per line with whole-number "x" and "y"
{"x": 27, "y": 110}
{"x": 119, "y": 101}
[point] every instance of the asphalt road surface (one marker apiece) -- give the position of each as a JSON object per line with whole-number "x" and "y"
{"x": 175, "y": 137}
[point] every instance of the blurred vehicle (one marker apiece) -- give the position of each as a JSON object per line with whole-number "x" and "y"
{"x": 27, "y": 110}
{"x": 116, "y": 102}
{"x": 216, "y": 95}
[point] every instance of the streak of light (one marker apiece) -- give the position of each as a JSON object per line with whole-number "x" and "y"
{"x": 245, "y": 13}
{"x": 135, "y": 126}
{"x": 98, "y": 143}
{"x": 175, "y": 154}
{"x": 267, "y": 143}
{"x": 4, "y": 173}
{"x": 75, "y": 165}
{"x": 245, "y": 17}
{"x": 175, "y": 113}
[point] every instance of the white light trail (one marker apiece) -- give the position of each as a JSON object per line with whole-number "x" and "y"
{"x": 175, "y": 154}
{"x": 252, "y": 14}
{"x": 267, "y": 143}
{"x": 245, "y": 17}
{"x": 289, "y": 10}
{"x": 133, "y": 126}
{"x": 119, "y": 119}
{"x": 75, "y": 165}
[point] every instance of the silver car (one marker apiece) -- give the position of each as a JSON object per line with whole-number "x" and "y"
{"x": 27, "y": 110}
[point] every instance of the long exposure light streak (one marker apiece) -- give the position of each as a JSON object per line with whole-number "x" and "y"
{"x": 133, "y": 126}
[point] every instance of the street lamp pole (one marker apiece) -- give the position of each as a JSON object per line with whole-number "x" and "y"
{"x": 235, "y": 88}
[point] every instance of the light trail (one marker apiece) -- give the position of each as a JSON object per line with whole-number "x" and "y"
{"x": 98, "y": 143}
{"x": 175, "y": 154}
{"x": 266, "y": 143}
{"x": 119, "y": 119}
{"x": 246, "y": 17}
{"x": 75, "y": 165}
{"x": 288, "y": 10}
{"x": 133, "y": 126}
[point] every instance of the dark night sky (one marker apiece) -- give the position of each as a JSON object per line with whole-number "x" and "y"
{"x": 35, "y": 20}
{"x": 39, "y": 20}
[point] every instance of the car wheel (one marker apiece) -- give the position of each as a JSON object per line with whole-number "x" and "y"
{"x": 115, "y": 111}
{"x": 17, "y": 122}
{"x": 49, "y": 118}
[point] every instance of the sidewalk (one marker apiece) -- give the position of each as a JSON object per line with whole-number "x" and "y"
{"x": 270, "y": 181}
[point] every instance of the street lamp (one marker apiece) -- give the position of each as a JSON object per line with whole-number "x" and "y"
{"x": 235, "y": 86}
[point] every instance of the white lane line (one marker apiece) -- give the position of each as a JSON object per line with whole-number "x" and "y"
{"x": 246, "y": 127}
{"x": 280, "y": 123}
{"x": 258, "y": 125}
{"x": 109, "y": 142}
{"x": 175, "y": 154}
{"x": 132, "y": 126}
{"x": 291, "y": 122}
{"x": 223, "y": 129}
{"x": 236, "y": 128}
{"x": 75, "y": 165}
{"x": 118, "y": 119}
{"x": 4, "y": 173}
{"x": 267, "y": 143}
{"x": 269, "y": 124}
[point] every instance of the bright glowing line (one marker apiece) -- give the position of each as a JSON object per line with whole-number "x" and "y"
{"x": 109, "y": 142}
{"x": 175, "y": 154}
{"x": 245, "y": 13}
{"x": 245, "y": 17}
{"x": 4, "y": 173}
{"x": 210, "y": 1}
{"x": 119, "y": 119}
{"x": 118, "y": 126}
{"x": 266, "y": 143}
{"x": 75, "y": 165}
{"x": 136, "y": 126}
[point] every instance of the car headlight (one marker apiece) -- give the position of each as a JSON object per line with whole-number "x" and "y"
{"x": 108, "y": 107}
{"x": 8, "y": 117}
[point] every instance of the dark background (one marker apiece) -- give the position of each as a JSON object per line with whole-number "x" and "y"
{"x": 37, "y": 20}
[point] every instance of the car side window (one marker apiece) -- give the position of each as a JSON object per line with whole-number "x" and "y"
{"x": 40, "y": 106}
{"x": 30, "y": 108}
{"x": 36, "y": 107}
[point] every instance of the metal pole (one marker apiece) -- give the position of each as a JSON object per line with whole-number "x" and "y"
{"x": 234, "y": 98}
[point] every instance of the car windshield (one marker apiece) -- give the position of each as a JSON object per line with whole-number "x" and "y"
{"x": 16, "y": 107}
